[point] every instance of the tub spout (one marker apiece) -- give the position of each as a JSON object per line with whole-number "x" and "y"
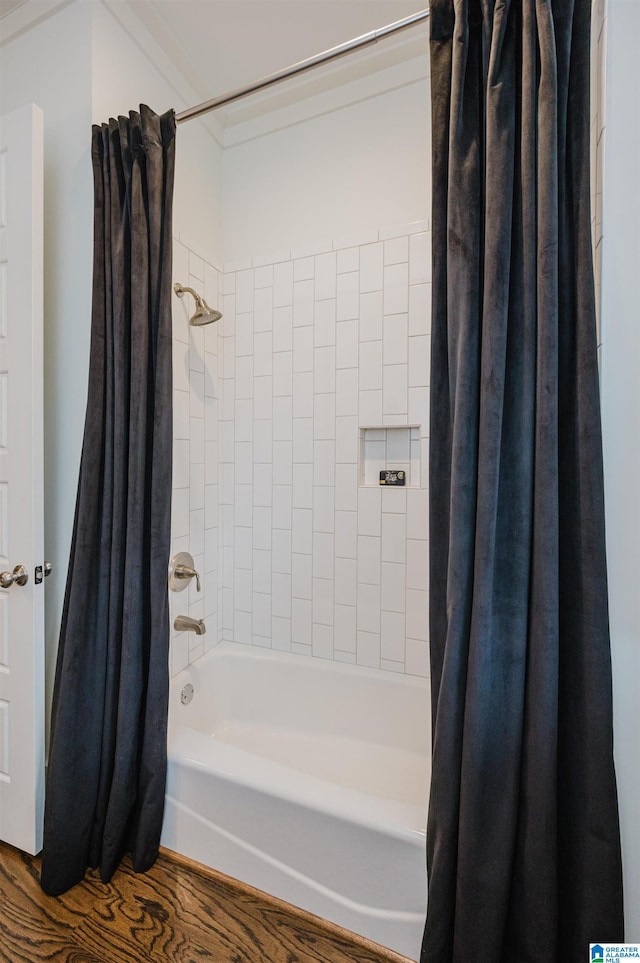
{"x": 183, "y": 623}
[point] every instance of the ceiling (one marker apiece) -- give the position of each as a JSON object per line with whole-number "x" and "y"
{"x": 220, "y": 45}
{"x": 232, "y": 42}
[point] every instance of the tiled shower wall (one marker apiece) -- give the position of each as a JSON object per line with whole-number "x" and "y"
{"x": 314, "y": 346}
{"x": 194, "y": 522}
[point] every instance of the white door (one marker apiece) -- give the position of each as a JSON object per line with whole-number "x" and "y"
{"x": 21, "y": 484}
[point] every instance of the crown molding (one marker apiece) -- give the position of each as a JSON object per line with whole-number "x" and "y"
{"x": 166, "y": 56}
{"x": 390, "y": 64}
{"x": 28, "y": 14}
{"x": 368, "y": 64}
{"x": 305, "y": 104}
{"x": 296, "y": 100}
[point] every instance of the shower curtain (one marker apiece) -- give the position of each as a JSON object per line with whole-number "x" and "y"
{"x": 523, "y": 839}
{"x": 107, "y": 758}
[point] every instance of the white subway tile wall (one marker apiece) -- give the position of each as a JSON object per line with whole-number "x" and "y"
{"x": 300, "y": 551}
{"x": 196, "y": 477}
{"x": 335, "y": 338}
{"x": 274, "y": 480}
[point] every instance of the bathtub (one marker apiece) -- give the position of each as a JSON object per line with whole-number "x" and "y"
{"x": 307, "y": 779}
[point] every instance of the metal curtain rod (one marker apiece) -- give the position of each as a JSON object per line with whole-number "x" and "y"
{"x": 332, "y": 54}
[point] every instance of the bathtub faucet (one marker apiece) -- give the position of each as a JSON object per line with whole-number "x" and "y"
{"x": 183, "y": 623}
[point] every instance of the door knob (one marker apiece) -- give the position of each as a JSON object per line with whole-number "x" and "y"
{"x": 19, "y": 575}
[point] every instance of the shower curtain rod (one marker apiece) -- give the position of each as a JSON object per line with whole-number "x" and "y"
{"x": 332, "y": 54}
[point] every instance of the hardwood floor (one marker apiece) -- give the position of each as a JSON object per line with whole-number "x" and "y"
{"x": 179, "y": 911}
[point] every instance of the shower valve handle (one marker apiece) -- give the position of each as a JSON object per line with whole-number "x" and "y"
{"x": 184, "y": 571}
{"x": 181, "y": 571}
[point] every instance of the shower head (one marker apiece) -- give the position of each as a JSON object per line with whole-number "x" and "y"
{"x": 204, "y": 314}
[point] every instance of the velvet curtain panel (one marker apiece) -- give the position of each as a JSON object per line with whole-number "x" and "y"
{"x": 523, "y": 840}
{"x": 107, "y": 761}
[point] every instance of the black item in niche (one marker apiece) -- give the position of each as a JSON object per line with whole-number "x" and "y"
{"x": 393, "y": 477}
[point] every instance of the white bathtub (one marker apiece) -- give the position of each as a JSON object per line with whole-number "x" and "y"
{"x": 307, "y": 779}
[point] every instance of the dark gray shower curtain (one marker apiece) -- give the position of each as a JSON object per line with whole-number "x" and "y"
{"x": 523, "y": 839}
{"x": 107, "y": 758}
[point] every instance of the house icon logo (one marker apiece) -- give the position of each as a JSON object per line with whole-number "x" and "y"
{"x": 597, "y": 953}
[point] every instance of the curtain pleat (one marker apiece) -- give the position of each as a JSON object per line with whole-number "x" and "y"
{"x": 107, "y": 758}
{"x": 523, "y": 844}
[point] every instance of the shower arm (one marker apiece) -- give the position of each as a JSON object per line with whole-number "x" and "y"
{"x": 181, "y": 289}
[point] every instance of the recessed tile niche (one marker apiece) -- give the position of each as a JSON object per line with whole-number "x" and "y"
{"x": 396, "y": 448}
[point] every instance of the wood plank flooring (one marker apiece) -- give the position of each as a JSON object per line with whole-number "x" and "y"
{"x": 179, "y": 911}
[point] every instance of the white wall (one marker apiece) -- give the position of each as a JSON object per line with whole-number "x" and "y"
{"x": 620, "y": 375}
{"x": 345, "y": 162}
{"x": 325, "y": 331}
{"x": 597, "y": 142}
{"x": 197, "y": 228}
{"x": 81, "y": 66}
{"x": 124, "y": 75}
{"x": 50, "y": 65}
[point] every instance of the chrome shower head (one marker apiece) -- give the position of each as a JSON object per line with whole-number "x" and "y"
{"x": 204, "y": 314}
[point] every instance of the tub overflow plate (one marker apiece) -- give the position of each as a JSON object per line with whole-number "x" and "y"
{"x": 187, "y": 694}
